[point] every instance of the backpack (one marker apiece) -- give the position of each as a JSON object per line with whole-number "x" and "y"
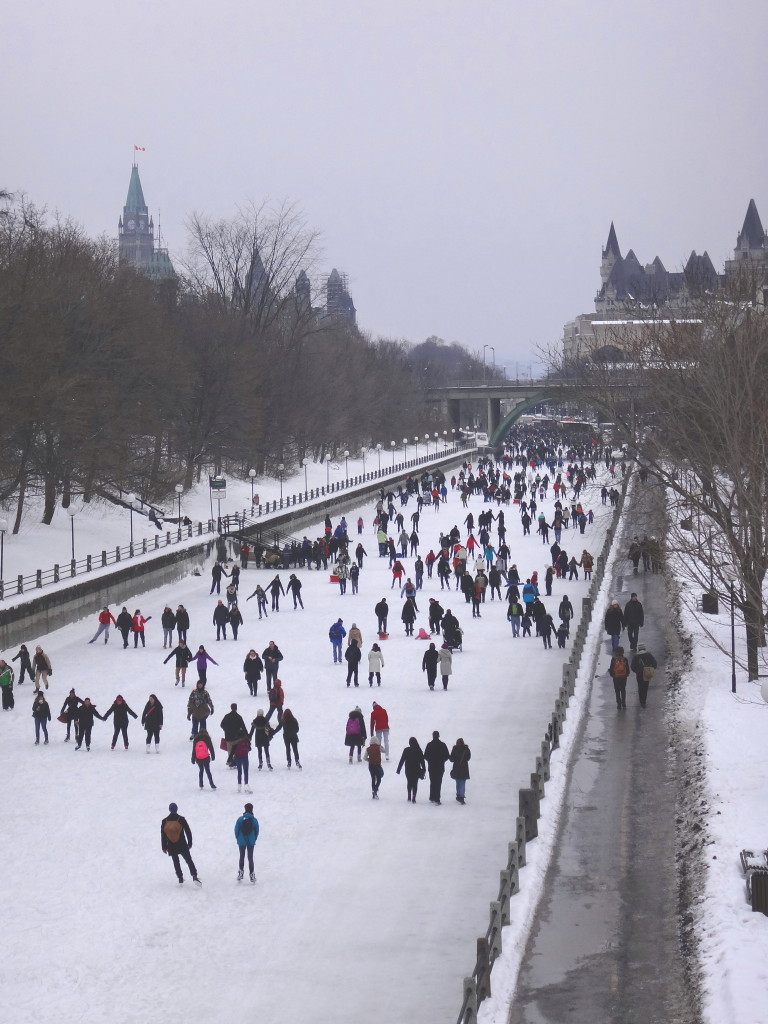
{"x": 201, "y": 750}
{"x": 648, "y": 673}
{"x": 173, "y": 830}
{"x": 620, "y": 668}
{"x": 246, "y": 826}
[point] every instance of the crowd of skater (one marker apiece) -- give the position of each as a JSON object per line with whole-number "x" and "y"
{"x": 471, "y": 560}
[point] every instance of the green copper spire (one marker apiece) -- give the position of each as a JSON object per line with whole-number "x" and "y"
{"x": 134, "y": 204}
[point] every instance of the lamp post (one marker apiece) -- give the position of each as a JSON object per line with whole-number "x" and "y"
{"x": 252, "y": 475}
{"x": 304, "y": 464}
{"x": 3, "y": 529}
{"x": 130, "y": 498}
{"x": 733, "y": 638}
{"x": 327, "y": 470}
{"x": 281, "y": 469}
{"x": 392, "y": 445}
{"x": 72, "y": 512}
{"x": 484, "y": 348}
{"x": 346, "y": 465}
{"x": 416, "y": 441}
{"x": 426, "y": 439}
{"x": 405, "y": 447}
{"x": 179, "y": 488}
{"x": 378, "y": 452}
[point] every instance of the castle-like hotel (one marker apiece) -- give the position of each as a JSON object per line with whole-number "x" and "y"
{"x": 139, "y": 248}
{"x": 632, "y": 295}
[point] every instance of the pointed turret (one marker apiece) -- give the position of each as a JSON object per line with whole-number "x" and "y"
{"x": 612, "y": 245}
{"x": 134, "y": 204}
{"x": 751, "y": 235}
{"x": 136, "y": 234}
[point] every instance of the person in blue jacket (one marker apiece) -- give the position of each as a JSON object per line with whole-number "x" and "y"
{"x": 246, "y": 834}
{"x": 336, "y": 634}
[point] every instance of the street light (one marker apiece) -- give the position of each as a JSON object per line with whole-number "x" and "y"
{"x": 392, "y": 446}
{"x": 280, "y": 470}
{"x": 179, "y": 489}
{"x": 405, "y": 446}
{"x": 252, "y": 475}
{"x": 3, "y": 528}
{"x": 72, "y": 512}
{"x": 327, "y": 470}
{"x": 304, "y": 464}
{"x": 346, "y": 465}
{"x": 130, "y": 498}
{"x": 416, "y": 439}
{"x": 378, "y": 452}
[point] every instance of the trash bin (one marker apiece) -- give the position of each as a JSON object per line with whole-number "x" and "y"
{"x": 759, "y": 887}
{"x": 709, "y": 603}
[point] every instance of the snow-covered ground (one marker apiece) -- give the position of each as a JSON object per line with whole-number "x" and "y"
{"x": 360, "y": 905}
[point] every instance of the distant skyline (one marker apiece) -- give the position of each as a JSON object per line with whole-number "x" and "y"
{"x": 463, "y": 163}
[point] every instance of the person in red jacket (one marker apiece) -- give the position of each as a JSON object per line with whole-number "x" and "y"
{"x": 380, "y": 727}
{"x": 105, "y": 618}
{"x": 138, "y": 627}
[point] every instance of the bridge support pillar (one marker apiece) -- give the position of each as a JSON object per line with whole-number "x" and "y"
{"x": 454, "y": 412}
{"x": 494, "y": 415}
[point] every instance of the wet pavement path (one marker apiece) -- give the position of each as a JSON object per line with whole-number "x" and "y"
{"x": 605, "y": 946}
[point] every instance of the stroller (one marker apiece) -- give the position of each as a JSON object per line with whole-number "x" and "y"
{"x": 453, "y": 638}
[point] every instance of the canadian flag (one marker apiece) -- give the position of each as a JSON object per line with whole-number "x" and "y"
{"x": 141, "y": 149}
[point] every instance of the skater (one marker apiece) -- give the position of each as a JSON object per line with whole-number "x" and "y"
{"x": 220, "y": 619}
{"x": 353, "y": 655}
{"x": 183, "y": 657}
{"x": 445, "y": 664}
{"x": 644, "y": 666}
{"x": 25, "y": 664}
{"x": 41, "y": 713}
{"x": 240, "y": 751}
{"x": 121, "y": 711}
{"x": 201, "y": 659}
{"x": 290, "y": 728}
{"x": 176, "y": 841}
{"x": 271, "y": 656}
{"x": 168, "y": 622}
{"x": 276, "y": 589}
{"x": 261, "y": 734}
{"x": 380, "y": 726}
{"x": 68, "y": 713}
{"x": 373, "y": 757}
{"x": 355, "y": 734}
{"x": 253, "y": 666}
{"x": 408, "y": 616}
{"x": 459, "y": 758}
{"x": 124, "y": 623}
{"x": 294, "y": 589}
{"x": 182, "y": 623}
{"x": 261, "y": 601}
{"x": 619, "y": 670}
{"x": 202, "y": 755}
{"x": 199, "y": 707}
{"x": 138, "y": 627}
{"x": 152, "y": 720}
{"x": 42, "y": 666}
{"x": 6, "y": 685}
{"x": 105, "y": 618}
{"x": 435, "y": 754}
{"x": 85, "y": 716}
{"x": 375, "y": 664}
{"x": 234, "y": 729}
{"x": 429, "y": 665}
{"x": 246, "y": 834}
{"x": 381, "y": 611}
{"x": 217, "y": 571}
{"x": 235, "y": 620}
{"x": 412, "y": 760}
{"x": 336, "y": 634}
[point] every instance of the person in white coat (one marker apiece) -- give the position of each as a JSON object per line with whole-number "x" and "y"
{"x": 375, "y": 664}
{"x": 445, "y": 664}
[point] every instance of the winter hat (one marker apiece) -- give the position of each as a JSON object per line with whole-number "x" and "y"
{"x": 249, "y": 808}
{"x": 375, "y": 704}
{"x": 173, "y": 808}
{"x": 357, "y": 707}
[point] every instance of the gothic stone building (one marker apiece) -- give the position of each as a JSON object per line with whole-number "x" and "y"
{"x": 136, "y": 235}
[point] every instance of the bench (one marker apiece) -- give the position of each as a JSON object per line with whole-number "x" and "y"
{"x": 754, "y": 864}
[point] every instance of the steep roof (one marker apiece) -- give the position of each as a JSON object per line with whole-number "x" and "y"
{"x": 752, "y": 230}
{"x": 135, "y": 204}
{"x": 612, "y": 245}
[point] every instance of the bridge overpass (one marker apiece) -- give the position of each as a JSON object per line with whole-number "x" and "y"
{"x": 524, "y": 395}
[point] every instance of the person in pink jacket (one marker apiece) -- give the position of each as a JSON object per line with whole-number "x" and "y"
{"x": 138, "y": 627}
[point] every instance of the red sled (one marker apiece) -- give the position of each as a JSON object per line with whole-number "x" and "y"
{"x": 383, "y": 636}
{"x": 334, "y": 579}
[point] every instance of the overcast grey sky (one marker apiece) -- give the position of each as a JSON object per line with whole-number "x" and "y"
{"x": 463, "y": 161}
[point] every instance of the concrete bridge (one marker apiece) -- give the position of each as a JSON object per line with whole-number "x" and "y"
{"x": 524, "y": 395}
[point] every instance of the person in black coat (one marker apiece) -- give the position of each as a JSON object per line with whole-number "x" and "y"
{"x": 253, "y": 666}
{"x": 459, "y": 758}
{"x": 168, "y": 622}
{"x": 183, "y": 657}
{"x": 152, "y": 720}
{"x": 381, "y": 611}
{"x": 435, "y": 754}
{"x": 121, "y": 711}
{"x": 182, "y": 623}
{"x": 69, "y": 709}
{"x": 435, "y": 616}
{"x": 235, "y": 619}
{"x": 234, "y": 729}
{"x": 25, "y": 664}
{"x": 412, "y": 759}
{"x": 176, "y": 841}
{"x": 41, "y": 713}
{"x": 614, "y": 623}
{"x": 353, "y": 654}
{"x": 290, "y": 728}
{"x": 220, "y": 619}
{"x": 272, "y": 656}
{"x": 634, "y": 618}
{"x": 124, "y": 623}
{"x": 85, "y": 716}
{"x": 429, "y": 665}
{"x": 408, "y": 615}
{"x": 639, "y": 664}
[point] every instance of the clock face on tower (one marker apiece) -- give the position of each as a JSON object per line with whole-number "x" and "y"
{"x": 131, "y": 224}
